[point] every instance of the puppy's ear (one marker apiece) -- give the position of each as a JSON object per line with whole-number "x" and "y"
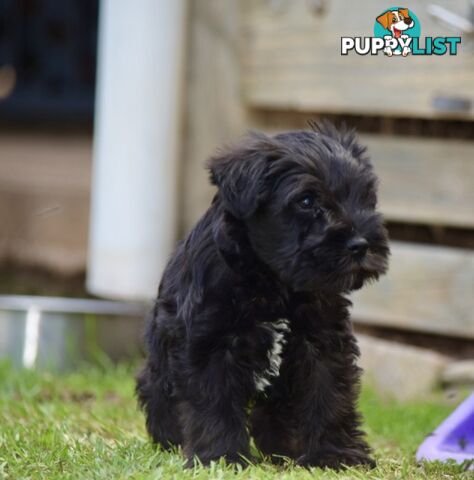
{"x": 404, "y": 12}
{"x": 345, "y": 136}
{"x": 385, "y": 20}
{"x": 231, "y": 240}
{"x": 240, "y": 173}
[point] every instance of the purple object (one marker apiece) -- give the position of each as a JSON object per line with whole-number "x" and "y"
{"x": 454, "y": 438}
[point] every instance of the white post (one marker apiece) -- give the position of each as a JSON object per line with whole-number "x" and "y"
{"x": 133, "y": 207}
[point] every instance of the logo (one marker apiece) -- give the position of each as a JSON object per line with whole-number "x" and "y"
{"x": 397, "y": 32}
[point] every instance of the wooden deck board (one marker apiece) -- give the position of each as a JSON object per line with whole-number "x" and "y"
{"x": 428, "y": 289}
{"x": 292, "y": 60}
{"x": 424, "y": 181}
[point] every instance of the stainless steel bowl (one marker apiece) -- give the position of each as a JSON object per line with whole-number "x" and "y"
{"x": 59, "y": 333}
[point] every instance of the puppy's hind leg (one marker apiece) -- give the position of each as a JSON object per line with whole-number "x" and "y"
{"x": 155, "y": 396}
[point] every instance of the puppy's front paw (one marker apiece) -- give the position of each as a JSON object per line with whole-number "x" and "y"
{"x": 231, "y": 459}
{"x": 337, "y": 461}
{"x": 359, "y": 459}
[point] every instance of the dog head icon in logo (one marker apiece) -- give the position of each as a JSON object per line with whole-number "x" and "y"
{"x": 397, "y": 21}
{"x": 399, "y": 24}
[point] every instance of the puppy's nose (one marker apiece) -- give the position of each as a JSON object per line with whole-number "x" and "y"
{"x": 358, "y": 246}
{"x": 407, "y": 20}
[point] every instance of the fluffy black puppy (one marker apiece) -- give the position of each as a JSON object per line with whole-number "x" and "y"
{"x": 252, "y": 307}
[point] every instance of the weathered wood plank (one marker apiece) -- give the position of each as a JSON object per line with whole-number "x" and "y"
{"x": 428, "y": 289}
{"x": 292, "y": 60}
{"x": 38, "y": 161}
{"x": 44, "y": 199}
{"x": 215, "y": 113}
{"x": 424, "y": 180}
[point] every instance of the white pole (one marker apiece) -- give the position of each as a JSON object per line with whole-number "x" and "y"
{"x": 133, "y": 207}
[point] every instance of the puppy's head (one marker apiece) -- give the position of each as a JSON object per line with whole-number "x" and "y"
{"x": 397, "y": 21}
{"x": 307, "y": 201}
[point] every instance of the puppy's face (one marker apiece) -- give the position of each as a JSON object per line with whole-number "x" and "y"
{"x": 314, "y": 222}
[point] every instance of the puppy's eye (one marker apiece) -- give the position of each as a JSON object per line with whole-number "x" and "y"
{"x": 306, "y": 202}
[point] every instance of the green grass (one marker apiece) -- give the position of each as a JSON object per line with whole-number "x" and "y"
{"x": 86, "y": 425}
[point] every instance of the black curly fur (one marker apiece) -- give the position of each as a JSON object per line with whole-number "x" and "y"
{"x": 257, "y": 256}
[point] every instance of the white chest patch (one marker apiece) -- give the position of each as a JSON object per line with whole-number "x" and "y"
{"x": 279, "y": 329}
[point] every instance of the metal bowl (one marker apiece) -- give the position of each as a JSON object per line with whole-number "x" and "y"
{"x": 59, "y": 333}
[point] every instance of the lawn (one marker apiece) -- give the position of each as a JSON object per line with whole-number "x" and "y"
{"x": 86, "y": 425}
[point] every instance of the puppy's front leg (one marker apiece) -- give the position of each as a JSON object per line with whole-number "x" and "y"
{"x": 332, "y": 436}
{"x": 214, "y": 415}
{"x": 327, "y": 388}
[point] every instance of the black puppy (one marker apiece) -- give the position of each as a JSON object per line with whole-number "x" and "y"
{"x": 252, "y": 307}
